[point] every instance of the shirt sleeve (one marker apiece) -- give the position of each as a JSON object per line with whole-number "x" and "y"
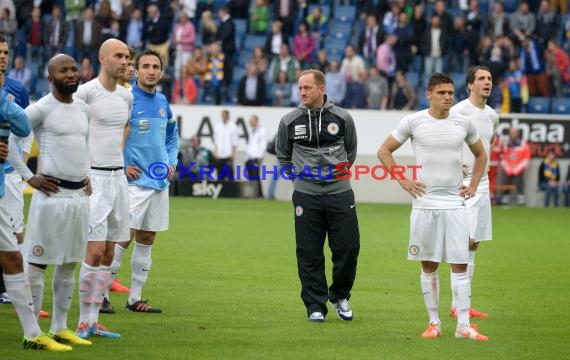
{"x": 403, "y": 131}
{"x": 15, "y": 159}
{"x": 472, "y": 134}
{"x": 172, "y": 140}
{"x": 15, "y": 115}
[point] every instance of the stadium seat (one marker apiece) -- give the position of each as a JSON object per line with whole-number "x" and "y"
{"x": 335, "y": 49}
{"x": 345, "y": 13}
{"x": 325, "y": 9}
{"x": 341, "y": 30}
{"x": 241, "y": 31}
{"x": 458, "y": 79}
{"x": 252, "y": 41}
{"x": 42, "y": 87}
{"x": 560, "y": 105}
{"x": 413, "y": 78}
{"x": 538, "y": 105}
{"x": 510, "y": 6}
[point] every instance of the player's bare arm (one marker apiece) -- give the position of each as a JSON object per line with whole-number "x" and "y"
{"x": 87, "y": 189}
{"x": 413, "y": 187}
{"x": 478, "y": 169}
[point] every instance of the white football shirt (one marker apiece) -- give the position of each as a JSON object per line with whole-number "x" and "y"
{"x": 110, "y": 112}
{"x": 61, "y": 130}
{"x": 437, "y": 144}
{"x": 487, "y": 122}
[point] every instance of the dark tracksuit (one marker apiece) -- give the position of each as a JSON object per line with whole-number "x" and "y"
{"x": 313, "y": 142}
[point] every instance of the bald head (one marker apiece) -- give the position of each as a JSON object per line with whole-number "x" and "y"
{"x": 57, "y": 61}
{"x": 112, "y": 45}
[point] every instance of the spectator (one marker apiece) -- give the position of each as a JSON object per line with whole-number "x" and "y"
{"x": 402, "y": 95}
{"x": 355, "y": 97}
{"x": 549, "y": 178}
{"x": 8, "y": 25}
{"x": 238, "y": 9}
{"x": 286, "y": 12}
{"x": 214, "y": 76}
{"x": 33, "y": 32}
{"x": 522, "y": 22}
{"x": 473, "y": 25}
{"x": 183, "y": 38}
{"x": 86, "y": 71}
{"x": 304, "y": 46}
{"x": 256, "y": 147}
{"x": 259, "y": 59}
{"x": 322, "y": 63}
{"x": 225, "y": 145}
{"x": 516, "y": 157}
{"x": 128, "y": 9}
{"x": 336, "y": 84}
{"x": 55, "y": 33}
{"x": 295, "y": 99}
{"x": 155, "y": 33}
{"x": 534, "y": 67}
{"x": 566, "y": 188}
{"x": 404, "y": 48}
{"x": 251, "y": 88}
{"x": 419, "y": 24}
{"x": 274, "y": 40}
{"x": 198, "y": 154}
{"x": 369, "y": 40}
{"x": 352, "y": 66}
{"x": 259, "y": 19}
{"x": 435, "y": 42}
{"x": 281, "y": 90}
{"x": 512, "y": 89}
{"x": 386, "y": 58}
{"x": 498, "y": 22}
{"x": 559, "y": 67}
{"x": 317, "y": 25}
{"x": 88, "y": 37}
{"x": 458, "y": 54}
{"x": 198, "y": 66}
{"x": 283, "y": 63}
{"x": 226, "y": 35}
{"x": 390, "y": 21}
{"x": 445, "y": 20}
{"x": 188, "y": 7}
{"x": 21, "y": 72}
{"x": 74, "y": 10}
{"x": 376, "y": 90}
{"x": 561, "y": 5}
{"x": 134, "y": 36}
{"x": 547, "y": 23}
{"x": 185, "y": 90}
{"x": 208, "y": 28}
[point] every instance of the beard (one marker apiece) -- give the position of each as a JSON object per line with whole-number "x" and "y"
{"x": 62, "y": 88}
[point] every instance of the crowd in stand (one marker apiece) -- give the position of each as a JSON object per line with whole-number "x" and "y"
{"x": 251, "y": 51}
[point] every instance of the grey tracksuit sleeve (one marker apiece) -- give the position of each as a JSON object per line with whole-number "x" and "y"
{"x": 284, "y": 147}
{"x": 350, "y": 141}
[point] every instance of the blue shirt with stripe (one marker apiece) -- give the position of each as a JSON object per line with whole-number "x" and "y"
{"x": 17, "y": 93}
{"x": 152, "y": 140}
{"x": 19, "y": 123}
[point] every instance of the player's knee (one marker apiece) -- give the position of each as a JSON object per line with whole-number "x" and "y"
{"x": 12, "y": 262}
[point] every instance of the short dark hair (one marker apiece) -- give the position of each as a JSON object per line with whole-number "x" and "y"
{"x": 317, "y": 75}
{"x": 470, "y": 77}
{"x": 438, "y": 78}
{"x": 147, "y": 52}
{"x": 132, "y": 52}
{"x": 2, "y": 38}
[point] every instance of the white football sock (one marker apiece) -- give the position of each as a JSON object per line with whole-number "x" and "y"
{"x": 461, "y": 294}
{"x": 430, "y": 291}
{"x": 35, "y": 277}
{"x": 140, "y": 263}
{"x": 63, "y": 284}
{"x": 21, "y": 297}
{"x": 116, "y": 264}
{"x": 471, "y": 264}
{"x": 87, "y": 285}
{"x": 105, "y": 274}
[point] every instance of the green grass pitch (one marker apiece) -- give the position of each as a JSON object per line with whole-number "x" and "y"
{"x": 225, "y": 276}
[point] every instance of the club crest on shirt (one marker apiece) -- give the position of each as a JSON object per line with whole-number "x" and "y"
{"x": 162, "y": 112}
{"x": 143, "y": 125}
{"x": 11, "y": 97}
{"x": 332, "y": 128}
{"x": 38, "y": 250}
{"x": 414, "y": 250}
{"x": 299, "y": 210}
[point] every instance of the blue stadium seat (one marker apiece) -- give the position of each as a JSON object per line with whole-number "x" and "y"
{"x": 252, "y": 41}
{"x": 413, "y": 78}
{"x": 241, "y": 31}
{"x": 538, "y": 105}
{"x": 560, "y": 105}
{"x": 345, "y": 13}
{"x": 510, "y": 6}
{"x": 335, "y": 49}
{"x": 42, "y": 87}
{"x": 458, "y": 79}
{"x": 341, "y": 29}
